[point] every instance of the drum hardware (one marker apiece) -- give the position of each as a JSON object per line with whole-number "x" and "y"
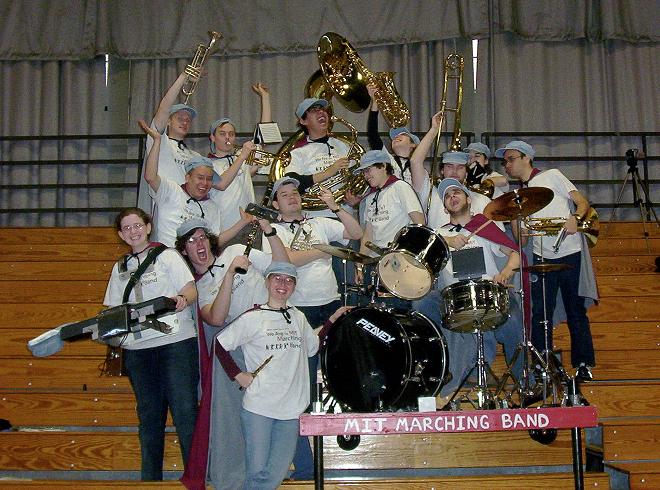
{"x": 415, "y": 256}
{"x": 345, "y": 253}
{"x": 476, "y": 306}
{"x": 375, "y": 248}
{"x": 513, "y": 206}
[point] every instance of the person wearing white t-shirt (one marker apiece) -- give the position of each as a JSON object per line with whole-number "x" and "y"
{"x": 317, "y": 294}
{"x": 480, "y": 169}
{"x": 518, "y": 157}
{"x": 462, "y": 347}
{"x": 214, "y": 269}
{"x": 277, "y": 337}
{"x": 235, "y": 188}
{"x": 177, "y": 203}
{"x": 318, "y": 156}
{"x": 162, "y": 367}
{"x": 173, "y": 122}
{"x": 389, "y": 205}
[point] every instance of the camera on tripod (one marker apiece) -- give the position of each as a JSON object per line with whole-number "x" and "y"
{"x": 632, "y": 155}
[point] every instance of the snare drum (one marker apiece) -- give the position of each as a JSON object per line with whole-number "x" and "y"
{"x": 475, "y": 305}
{"x": 380, "y": 359}
{"x": 413, "y": 260}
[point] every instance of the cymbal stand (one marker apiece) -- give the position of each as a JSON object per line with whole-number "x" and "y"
{"x": 344, "y": 266}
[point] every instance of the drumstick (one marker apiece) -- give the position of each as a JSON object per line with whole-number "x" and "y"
{"x": 479, "y": 229}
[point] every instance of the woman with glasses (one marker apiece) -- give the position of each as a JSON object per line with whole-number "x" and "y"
{"x": 162, "y": 367}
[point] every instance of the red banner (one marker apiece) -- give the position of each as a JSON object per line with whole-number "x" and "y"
{"x": 384, "y": 423}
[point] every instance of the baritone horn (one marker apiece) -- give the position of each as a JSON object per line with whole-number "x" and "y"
{"x": 194, "y": 68}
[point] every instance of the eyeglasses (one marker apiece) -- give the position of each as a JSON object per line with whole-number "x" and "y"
{"x": 283, "y": 279}
{"x": 512, "y": 159}
{"x": 200, "y": 238}
{"x": 136, "y": 226}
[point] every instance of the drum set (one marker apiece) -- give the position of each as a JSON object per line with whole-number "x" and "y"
{"x": 378, "y": 358}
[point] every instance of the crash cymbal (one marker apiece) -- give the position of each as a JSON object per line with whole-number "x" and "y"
{"x": 345, "y": 253}
{"x": 518, "y": 203}
{"x": 543, "y": 268}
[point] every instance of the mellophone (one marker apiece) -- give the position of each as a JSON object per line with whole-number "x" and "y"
{"x": 122, "y": 319}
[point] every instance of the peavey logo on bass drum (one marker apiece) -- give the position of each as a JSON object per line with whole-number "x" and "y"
{"x": 375, "y": 331}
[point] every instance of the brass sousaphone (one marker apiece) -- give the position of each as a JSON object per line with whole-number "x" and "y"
{"x": 342, "y": 74}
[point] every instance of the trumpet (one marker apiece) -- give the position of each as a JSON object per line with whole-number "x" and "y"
{"x": 194, "y": 68}
{"x": 259, "y": 157}
{"x": 589, "y": 224}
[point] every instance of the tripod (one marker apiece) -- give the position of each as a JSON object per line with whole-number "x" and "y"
{"x": 637, "y": 184}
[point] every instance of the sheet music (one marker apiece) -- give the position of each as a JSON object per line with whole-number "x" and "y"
{"x": 268, "y": 133}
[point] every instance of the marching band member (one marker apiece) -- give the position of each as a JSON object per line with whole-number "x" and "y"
{"x": 576, "y": 283}
{"x": 454, "y": 166}
{"x": 278, "y": 338}
{"x": 235, "y": 188}
{"x": 316, "y": 294}
{"x": 389, "y": 205}
{"x": 403, "y": 141}
{"x": 162, "y": 367}
{"x": 493, "y": 243}
{"x": 176, "y": 203}
{"x": 173, "y": 122}
{"x": 480, "y": 169}
{"x": 319, "y": 156}
{"x": 218, "y": 450}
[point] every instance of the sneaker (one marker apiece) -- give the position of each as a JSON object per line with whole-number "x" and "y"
{"x": 583, "y": 373}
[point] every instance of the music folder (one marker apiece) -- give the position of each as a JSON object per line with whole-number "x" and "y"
{"x": 267, "y": 133}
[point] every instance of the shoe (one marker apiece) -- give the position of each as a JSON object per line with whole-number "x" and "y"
{"x": 583, "y": 373}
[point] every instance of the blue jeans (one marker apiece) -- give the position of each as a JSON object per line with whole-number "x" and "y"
{"x": 509, "y": 334}
{"x": 303, "y": 460}
{"x": 269, "y": 447}
{"x": 567, "y": 282}
{"x": 162, "y": 377}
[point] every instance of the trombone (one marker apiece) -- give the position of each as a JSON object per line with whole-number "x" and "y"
{"x": 454, "y": 66}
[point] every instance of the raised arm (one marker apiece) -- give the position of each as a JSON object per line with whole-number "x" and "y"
{"x": 168, "y": 100}
{"x": 151, "y": 165}
{"x": 216, "y": 313}
{"x": 417, "y": 170}
{"x": 264, "y": 95}
{"x": 230, "y": 174}
{"x": 375, "y": 141}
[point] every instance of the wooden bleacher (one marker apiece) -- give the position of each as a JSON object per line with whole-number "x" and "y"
{"x": 46, "y": 280}
{"x": 626, "y": 331}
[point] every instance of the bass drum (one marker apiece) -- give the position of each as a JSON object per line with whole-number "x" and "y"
{"x": 377, "y": 359}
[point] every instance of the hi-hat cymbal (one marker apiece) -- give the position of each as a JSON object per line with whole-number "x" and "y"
{"x": 345, "y": 253}
{"x": 518, "y": 203}
{"x": 547, "y": 267}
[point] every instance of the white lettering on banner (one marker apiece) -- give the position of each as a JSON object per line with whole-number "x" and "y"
{"x": 530, "y": 420}
{"x": 369, "y": 426}
{"x": 375, "y": 331}
{"x": 458, "y": 423}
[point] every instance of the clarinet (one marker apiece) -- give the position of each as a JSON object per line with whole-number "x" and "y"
{"x": 257, "y": 211}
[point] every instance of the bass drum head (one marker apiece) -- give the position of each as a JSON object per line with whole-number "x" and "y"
{"x": 376, "y": 359}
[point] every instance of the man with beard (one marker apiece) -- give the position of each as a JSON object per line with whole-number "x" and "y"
{"x": 459, "y": 235}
